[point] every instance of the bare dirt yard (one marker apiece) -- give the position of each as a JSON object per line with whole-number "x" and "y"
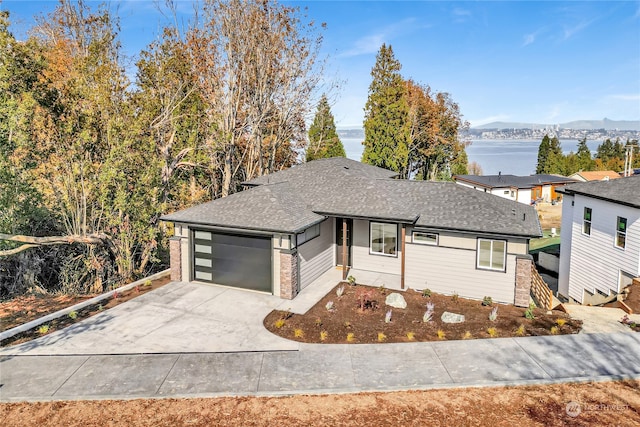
{"x": 347, "y": 322}
{"x": 23, "y": 309}
{"x": 550, "y": 216}
{"x": 589, "y": 404}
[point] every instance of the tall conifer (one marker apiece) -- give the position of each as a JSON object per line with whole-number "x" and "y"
{"x": 324, "y": 141}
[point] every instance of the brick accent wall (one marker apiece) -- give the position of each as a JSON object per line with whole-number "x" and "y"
{"x": 523, "y": 280}
{"x": 288, "y": 274}
{"x": 175, "y": 255}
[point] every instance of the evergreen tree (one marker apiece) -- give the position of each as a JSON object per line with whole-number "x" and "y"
{"x": 387, "y": 124}
{"x": 543, "y": 153}
{"x": 584, "y": 162}
{"x": 324, "y": 141}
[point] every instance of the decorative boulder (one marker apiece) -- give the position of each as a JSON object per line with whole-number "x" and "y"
{"x": 395, "y": 300}
{"x": 452, "y": 317}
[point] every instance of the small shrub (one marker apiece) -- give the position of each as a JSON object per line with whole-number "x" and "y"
{"x": 455, "y": 297}
{"x": 493, "y": 332}
{"x": 324, "y": 335}
{"x": 279, "y": 323}
{"x": 365, "y": 296}
{"x": 494, "y": 314}
{"x": 137, "y": 289}
{"x": 428, "y": 315}
{"x": 43, "y": 329}
{"x": 347, "y": 325}
{"x": 382, "y": 289}
{"x": 100, "y": 307}
{"x": 561, "y": 322}
{"x": 529, "y": 312}
{"x": 426, "y": 292}
{"x": 411, "y": 336}
{"x": 387, "y": 317}
{"x": 329, "y": 306}
{"x": 554, "y": 330}
{"x": 351, "y": 280}
{"x": 147, "y": 282}
{"x": 116, "y": 295}
{"x": 340, "y": 291}
{"x": 441, "y": 334}
{"x": 487, "y": 301}
{"x": 298, "y": 333}
{"x": 381, "y": 337}
{"x": 350, "y": 337}
{"x": 467, "y": 335}
{"x": 318, "y": 322}
{"x": 73, "y": 315}
{"x": 520, "y": 331}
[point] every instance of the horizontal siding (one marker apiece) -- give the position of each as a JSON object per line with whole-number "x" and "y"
{"x": 470, "y": 241}
{"x": 363, "y": 260}
{"x": 316, "y": 255}
{"x": 449, "y": 270}
{"x": 595, "y": 262}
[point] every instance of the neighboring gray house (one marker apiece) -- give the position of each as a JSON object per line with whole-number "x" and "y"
{"x": 600, "y": 239}
{"x": 523, "y": 189}
{"x": 291, "y": 226}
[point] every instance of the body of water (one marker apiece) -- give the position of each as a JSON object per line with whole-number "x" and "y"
{"x": 516, "y": 157}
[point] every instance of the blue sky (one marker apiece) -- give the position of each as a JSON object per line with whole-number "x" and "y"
{"x": 524, "y": 61}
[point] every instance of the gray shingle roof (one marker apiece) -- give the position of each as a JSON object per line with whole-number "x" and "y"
{"x": 301, "y": 198}
{"x": 267, "y": 208}
{"x": 497, "y": 181}
{"x": 625, "y": 191}
{"x": 324, "y": 168}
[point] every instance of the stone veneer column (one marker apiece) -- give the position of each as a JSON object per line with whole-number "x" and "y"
{"x": 175, "y": 256}
{"x": 288, "y": 274}
{"x": 523, "y": 280}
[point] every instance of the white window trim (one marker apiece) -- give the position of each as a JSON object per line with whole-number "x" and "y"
{"x": 504, "y": 257}
{"x": 371, "y": 252}
{"x": 615, "y": 236}
{"x": 584, "y": 221}
{"x": 419, "y": 242}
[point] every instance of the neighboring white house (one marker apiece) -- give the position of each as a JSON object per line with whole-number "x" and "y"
{"x": 600, "y": 240}
{"x": 523, "y": 189}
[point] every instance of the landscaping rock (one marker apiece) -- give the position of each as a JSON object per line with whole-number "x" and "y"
{"x": 395, "y": 300}
{"x": 452, "y": 317}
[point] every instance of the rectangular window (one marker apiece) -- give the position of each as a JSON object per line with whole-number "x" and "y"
{"x": 586, "y": 223}
{"x": 621, "y": 232}
{"x": 492, "y": 254}
{"x": 308, "y": 234}
{"x": 424, "y": 238}
{"x": 384, "y": 239}
{"x": 506, "y": 191}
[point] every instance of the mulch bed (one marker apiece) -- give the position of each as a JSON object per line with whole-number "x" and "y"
{"x": 320, "y": 325}
{"x": 20, "y": 310}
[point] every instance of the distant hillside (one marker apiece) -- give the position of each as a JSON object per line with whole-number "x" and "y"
{"x": 578, "y": 124}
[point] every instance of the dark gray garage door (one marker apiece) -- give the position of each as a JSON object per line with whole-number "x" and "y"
{"x": 240, "y": 261}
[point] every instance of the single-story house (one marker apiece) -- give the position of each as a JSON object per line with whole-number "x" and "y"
{"x": 291, "y": 226}
{"x": 600, "y": 240}
{"x": 584, "y": 176}
{"x": 523, "y": 189}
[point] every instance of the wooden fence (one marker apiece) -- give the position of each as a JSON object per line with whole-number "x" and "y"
{"x": 540, "y": 290}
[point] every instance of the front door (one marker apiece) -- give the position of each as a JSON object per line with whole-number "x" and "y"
{"x": 339, "y": 250}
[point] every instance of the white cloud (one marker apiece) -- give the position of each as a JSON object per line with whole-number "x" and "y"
{"x": 572, "y": 31}
{"x": 460, "y": 15}
{"x": 626, "y": 97}
{"x": 371, "y": 43}
{"x": 528, "y": 39}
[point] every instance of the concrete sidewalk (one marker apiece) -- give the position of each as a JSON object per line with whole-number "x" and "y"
{"x": 321, "y": 368}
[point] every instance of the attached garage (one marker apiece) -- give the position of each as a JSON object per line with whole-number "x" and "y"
{"x": 236, "y": 260}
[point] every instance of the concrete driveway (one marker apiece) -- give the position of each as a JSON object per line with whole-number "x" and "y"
{"x": 176, "y": 318}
